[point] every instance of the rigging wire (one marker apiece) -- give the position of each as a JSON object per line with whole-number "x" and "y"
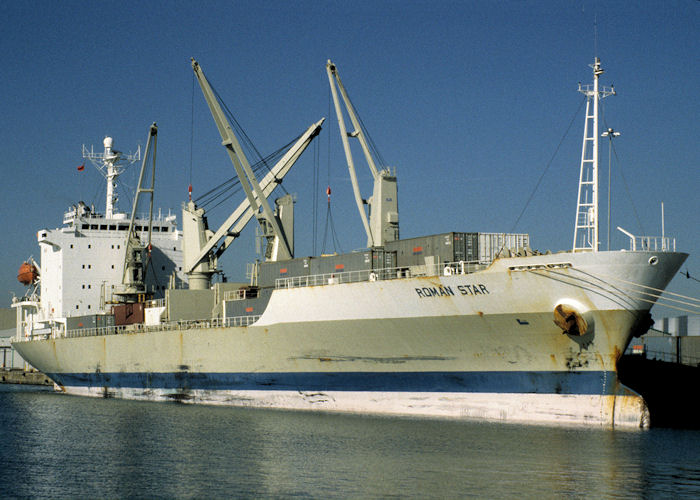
{"x": 370, "y": 142}
{"x": 257, "y": 168}
{"x": 241, "y": 132}
{"x": 328, "y": 172}
{"x": 627, "y": 189}
{"x": 688, "y": 276}
{"x": 231, "y": 186}
{"x": 314, "y": 197}
{"x": 622, "y": 174}
{"x": 330, "y": 226}
{"x": 191, "y": 132}
{"x": 549, "y": 164}
{"x": 329, "y": 215}
{"x": 261, "y": 165}
{"x": 222, "y": 196}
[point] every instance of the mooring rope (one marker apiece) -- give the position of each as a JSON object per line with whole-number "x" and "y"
{"x": 619, "y": 288}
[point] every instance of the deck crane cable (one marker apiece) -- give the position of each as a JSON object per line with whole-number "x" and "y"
{"x": 242, "y": 134}
{"x": 314, "y": 197}
{"x": 330, "y": 226}
{"x": 372, "y": 145}
{"x": 222, "y": 193}
{"x": 261, "y": 165}
{"x": 231, "y": 186}
{"x": 329, "y": 215}
{"x": 232, "y": 190}
{"x": 192, "y": 130}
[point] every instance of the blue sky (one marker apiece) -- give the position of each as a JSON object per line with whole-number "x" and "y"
{"x": 468, "y": 100}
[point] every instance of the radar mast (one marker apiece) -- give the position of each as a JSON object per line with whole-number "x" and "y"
{"x": 111, "y": 164}
{"x": 586, "y": 237}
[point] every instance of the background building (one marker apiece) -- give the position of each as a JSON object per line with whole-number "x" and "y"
{"x": 675, "y": 339}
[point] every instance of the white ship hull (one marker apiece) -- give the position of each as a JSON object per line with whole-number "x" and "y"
{"x": 482, "y": 345}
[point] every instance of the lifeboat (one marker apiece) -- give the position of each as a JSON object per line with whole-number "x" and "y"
{"x": 27, "y": 273}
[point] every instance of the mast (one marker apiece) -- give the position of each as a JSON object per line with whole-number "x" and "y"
{"x": 111, "y": 165}
{"x": 586, "y": 238}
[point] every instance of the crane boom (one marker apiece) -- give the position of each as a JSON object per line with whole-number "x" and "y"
{"x": 333, "y": 75}
{"x": 383, "y": 224}
{"x": 250, "y": 185}
{"x": 244, "y": 212}
{"x": 136, "y": 254}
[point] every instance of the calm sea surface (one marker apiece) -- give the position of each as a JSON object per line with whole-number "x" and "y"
{"x": 58, "y": 446}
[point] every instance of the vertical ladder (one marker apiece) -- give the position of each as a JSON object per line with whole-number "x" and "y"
{"x": 586, "y": 227}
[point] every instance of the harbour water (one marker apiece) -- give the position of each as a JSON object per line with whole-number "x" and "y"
{"x": 58, "y": 446}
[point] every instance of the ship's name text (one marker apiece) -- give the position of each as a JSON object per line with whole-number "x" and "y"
{"x": 447, "y": 291}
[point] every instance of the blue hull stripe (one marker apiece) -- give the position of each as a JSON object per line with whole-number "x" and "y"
{"x": 589, "y": 382}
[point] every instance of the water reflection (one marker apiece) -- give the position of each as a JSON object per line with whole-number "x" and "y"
{"x": 61, "y": 446}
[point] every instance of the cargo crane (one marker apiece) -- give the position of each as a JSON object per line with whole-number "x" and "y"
{"x": 201, "y": 246}
{"x": 383, "y": 224}
{"x": 137, "y": 253}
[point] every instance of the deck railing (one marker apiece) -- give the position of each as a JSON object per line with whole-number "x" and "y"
{"x": 649, "y": 243}
{"x": 389, "y": 273}
{"x": 653, "y": 243}
{"x": 138, "y": 328}
{"x": 240, "y": 294}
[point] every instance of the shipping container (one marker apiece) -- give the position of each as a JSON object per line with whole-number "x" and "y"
{"x": 342, "y": 263}
{"x": 383, "y": 259}
{"x": 490, "y": 244}
{"x": 269, "y": 272}
{"x": 437, "y": 248}
{"x": 89, "y": 321}
{"x": 128, "y": 314}
{"x": 422, "y": 255}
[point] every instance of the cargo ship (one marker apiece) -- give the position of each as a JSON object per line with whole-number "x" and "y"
{"x": 460, "y": 325}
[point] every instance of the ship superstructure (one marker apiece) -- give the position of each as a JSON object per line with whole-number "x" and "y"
{"x": 460, "y": 324}
{"x": 82, "y": 262}
{"x": 80, "y": 275}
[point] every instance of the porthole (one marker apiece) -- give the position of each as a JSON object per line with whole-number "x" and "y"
{"x": 653, "y": 260}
